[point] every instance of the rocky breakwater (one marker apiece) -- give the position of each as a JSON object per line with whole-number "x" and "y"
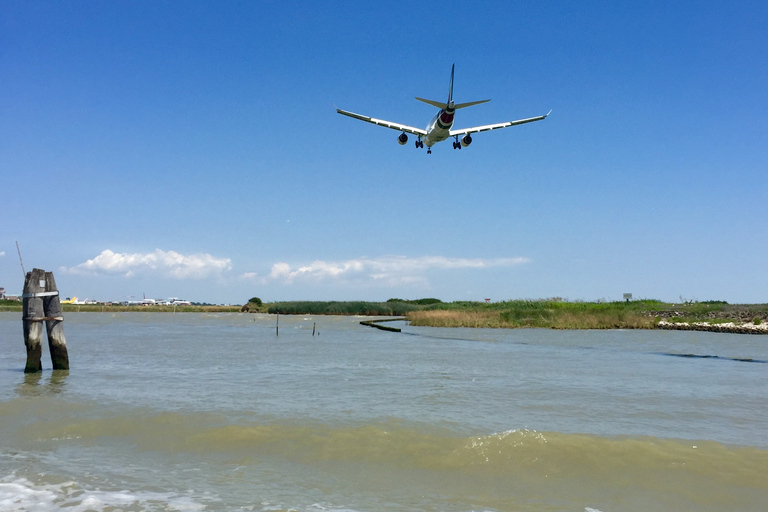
{"x": 727, "y": 327}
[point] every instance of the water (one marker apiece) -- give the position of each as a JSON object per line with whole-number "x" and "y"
{"x": 191, "y": 412}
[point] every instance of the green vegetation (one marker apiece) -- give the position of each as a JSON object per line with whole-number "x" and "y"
{"x": 553, "y": 313}
{"x": 559, "y": 314}
{"x": 418, "y": 302}
{"x": 549, "y": 313}
{"x": 10, "y": 305}
{"x": 254, "y": 305}
{"x": 397, "y": 308}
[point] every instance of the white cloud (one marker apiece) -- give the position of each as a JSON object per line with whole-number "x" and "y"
{"x": 2, "y": 253}
{"x": 385, "y": 270}
{"x": 163, "y": 263}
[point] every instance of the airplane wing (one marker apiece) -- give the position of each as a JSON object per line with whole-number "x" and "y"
{"x": 395, "y": 126}
{"x": 488, "y": 127}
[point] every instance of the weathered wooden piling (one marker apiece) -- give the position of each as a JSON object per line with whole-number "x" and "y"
{"x": 54, "y": 324}
{"x": 32, "y": 307}
{"x": 41, "y": 303}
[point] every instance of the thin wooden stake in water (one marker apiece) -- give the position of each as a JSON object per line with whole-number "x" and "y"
{"x": 313, "y": 328}
{"x": 23, "y": 272}
{"x": 277, "y": 325}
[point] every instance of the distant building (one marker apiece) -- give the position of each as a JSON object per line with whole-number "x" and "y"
{"x": 6, "y": 296}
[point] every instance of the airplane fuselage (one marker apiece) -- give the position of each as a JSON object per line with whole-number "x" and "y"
{"x": 439, "y": 128}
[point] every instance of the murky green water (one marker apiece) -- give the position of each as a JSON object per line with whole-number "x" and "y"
{"x": 215, "y": 412}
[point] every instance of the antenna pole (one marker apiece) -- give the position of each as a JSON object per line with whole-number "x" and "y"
{"x": 20, "y": 260}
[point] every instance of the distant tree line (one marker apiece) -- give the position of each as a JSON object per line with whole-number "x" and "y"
{"x": 362, "y": 308}
{"x": 418, "y": 302}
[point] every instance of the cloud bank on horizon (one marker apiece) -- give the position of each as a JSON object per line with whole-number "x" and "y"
{"x": 165, "y": 263}
{"x": 387, "y": 271}
{"x": 384, "y": 271}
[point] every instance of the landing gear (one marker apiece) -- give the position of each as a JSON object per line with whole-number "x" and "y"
{"x": 420, "y": 144}
{"x": 457, "y": 144}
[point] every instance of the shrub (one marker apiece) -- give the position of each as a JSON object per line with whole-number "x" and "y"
{"x": 256, "y": 300}
{"x": 418, "y": 302}
{"x": 342, "y": 308}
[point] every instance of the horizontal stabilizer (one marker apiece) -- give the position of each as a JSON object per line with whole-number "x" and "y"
{"x": 462, "y": 105}
{"x": 438, "y": 104}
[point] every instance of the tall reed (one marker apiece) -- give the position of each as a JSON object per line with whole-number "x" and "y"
{"x": 532, "y": 315}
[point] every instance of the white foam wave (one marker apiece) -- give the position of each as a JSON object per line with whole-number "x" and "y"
{"x": 19, "y": 494}
{"x": 22, "y": 495}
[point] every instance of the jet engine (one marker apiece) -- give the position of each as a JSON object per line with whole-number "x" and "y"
{"x": 402, "y": 139}
{"x": 466, "y": 140}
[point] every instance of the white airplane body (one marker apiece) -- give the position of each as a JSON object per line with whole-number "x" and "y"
{"x": 439, "y": 128}
{"x": 74, "y": 300}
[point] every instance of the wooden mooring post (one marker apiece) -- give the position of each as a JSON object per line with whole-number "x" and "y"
{"x": 41, "y": 304}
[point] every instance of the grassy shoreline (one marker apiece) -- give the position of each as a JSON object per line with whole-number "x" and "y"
{"x": 548, "y": 314}
{"x": 558, "y": 314}
{"x": 547, "y": 319}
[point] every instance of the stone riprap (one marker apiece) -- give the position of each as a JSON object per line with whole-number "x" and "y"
{"x": 729, "y": 327}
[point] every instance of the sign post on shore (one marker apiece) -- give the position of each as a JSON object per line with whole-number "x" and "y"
{"x": 41, "y": 304}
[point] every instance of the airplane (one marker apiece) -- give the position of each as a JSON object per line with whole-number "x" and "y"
{"x": 74, "y": 300}
{"x": 439, "y": 128}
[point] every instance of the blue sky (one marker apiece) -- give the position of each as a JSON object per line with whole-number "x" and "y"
{"x": 192, "y": 149}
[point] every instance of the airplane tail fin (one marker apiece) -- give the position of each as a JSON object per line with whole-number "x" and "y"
{"x": 441, "y": 105}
